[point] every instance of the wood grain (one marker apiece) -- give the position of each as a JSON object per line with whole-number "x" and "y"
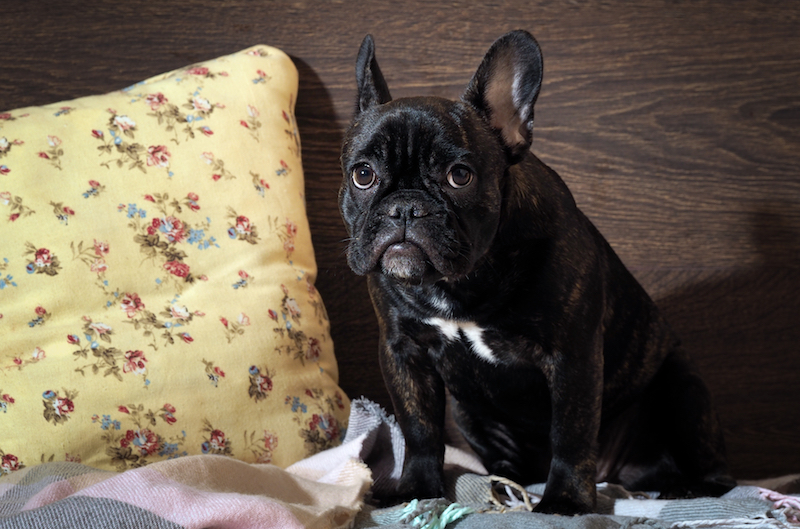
{"x": 675, "y": 123}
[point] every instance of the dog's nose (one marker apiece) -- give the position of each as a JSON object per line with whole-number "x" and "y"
{"x": 407, "y": 211}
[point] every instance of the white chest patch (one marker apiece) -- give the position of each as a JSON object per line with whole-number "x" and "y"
{"x": 467, "y": 330}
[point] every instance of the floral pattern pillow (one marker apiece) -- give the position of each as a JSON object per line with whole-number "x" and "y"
{"x": 157, "y": 277}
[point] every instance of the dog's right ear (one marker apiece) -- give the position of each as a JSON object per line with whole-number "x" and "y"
{"x": 372, "y": 88}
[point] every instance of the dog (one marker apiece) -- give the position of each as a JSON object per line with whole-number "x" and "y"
{"x": 490, "y": 283}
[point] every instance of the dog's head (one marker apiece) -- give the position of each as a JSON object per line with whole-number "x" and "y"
{"x": 422, "y": 189}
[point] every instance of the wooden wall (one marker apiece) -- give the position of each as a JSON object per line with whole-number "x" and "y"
{"x": 675, "y": 123}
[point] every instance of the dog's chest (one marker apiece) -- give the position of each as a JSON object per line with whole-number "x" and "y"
{"x": 485, "y": 368}
{"x": 469, "y": 333}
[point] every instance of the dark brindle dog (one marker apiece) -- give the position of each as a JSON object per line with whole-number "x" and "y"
{"x": 488, "y": 281}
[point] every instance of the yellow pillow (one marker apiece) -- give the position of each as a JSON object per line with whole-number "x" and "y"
{"x": 157, "y": 277}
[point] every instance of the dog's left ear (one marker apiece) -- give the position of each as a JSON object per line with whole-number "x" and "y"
{"x": 505, "y": 87}
{"x": 372, "y": 87}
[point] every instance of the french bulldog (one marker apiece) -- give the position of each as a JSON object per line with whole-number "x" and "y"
{"x": 489, "y": 282}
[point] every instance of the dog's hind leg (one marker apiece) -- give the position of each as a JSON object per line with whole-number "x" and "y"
{"x": 676, "y": 447}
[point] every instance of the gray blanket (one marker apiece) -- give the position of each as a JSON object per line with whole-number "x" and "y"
{"x": 478, "y": 501}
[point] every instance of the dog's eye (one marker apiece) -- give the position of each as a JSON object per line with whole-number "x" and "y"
{"x": 459, "y": 176}
{"x": 364, "y": 177}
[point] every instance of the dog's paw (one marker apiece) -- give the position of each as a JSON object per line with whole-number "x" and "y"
{"x": 713, "y": 486}
{"x": 564, "y": 505}
{"x": 417, "y": 482}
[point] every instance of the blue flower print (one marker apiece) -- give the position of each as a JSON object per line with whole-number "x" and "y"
{"x": 6, "y": 281}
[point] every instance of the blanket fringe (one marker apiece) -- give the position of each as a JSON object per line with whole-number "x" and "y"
{"x": 433, "y": 514}
{"x": 759, "y": 522}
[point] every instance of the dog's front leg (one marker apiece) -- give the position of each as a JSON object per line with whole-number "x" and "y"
{"x": 418, "y": 396}
{"x": 576, "y": 385}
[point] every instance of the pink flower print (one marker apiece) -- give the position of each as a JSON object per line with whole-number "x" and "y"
{"x": 243, "y": 274}
{"x": 131, "y": 304}
{"x": 42, "y": 257}
{"x": 100, "y": 328}
{"x": 40, "y": 311}
{"x": 179, "y": 313}
{"x": 173, "y": 228}
{"x": 145, "y": 440}
{"x": 124, "y": 123}
{"x": 291, "y": 228}
{"x": 38, "y": 354}
{"x": 207, "y": 131}
{"x": 208, "y": 157}
{"x": 5, "y": 197}
{"x": 217, "y": 440}
{"x": 44, "y": 155}
{"x": 252, "y": 111}
{"x": 193, "y": 198}
{"x": 135, "y": 362}
{"x": 154, "y": 226}
{"x": 123, "y": 409}
{"x": 177, "y": 268}
{"x": 73, "y": 339}
{"x": 13, "y": 217}
{"x": 9, "y": 463}
{"x": 243, "y": 319}
{"x": 198, "y": 70}
{"x": 99, "y": 266}
{"x": 292, "y": 307}
{"x": 243, "y": 226}
{"x": 272, "y": 314}
{"x": 219, "y": 372}
{"x": 7, "y": 398}
{"x": 63, "y": 406}
{"x": 156, "y": 101}
{"x": 313, "y": 350}
{"x": 288, "y": 246}
{"x": 168, "y": 416}
{"x": 244, "y": 124}
{"x": 264, "y": 383}
{"x": 97, "y": 134}
{"x": 4, "y": 170}
{"x": 201, "y": 104}
{"x": 337, "y": 397}
{"x": 326, "y": 423}
{"x": 53, "y": 141}
{"x": 224, "y": 321}
{"x": 100, "y": 248}
{"x": 158, "y": 156}
{"x": 270, "y": 441}
{"x": 186, "y": 337}
{"x": 149, "y": 198}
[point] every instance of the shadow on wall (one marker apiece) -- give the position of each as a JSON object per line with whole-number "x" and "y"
{"x": 744, "y": 332}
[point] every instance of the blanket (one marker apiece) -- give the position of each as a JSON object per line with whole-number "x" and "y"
{"x": 332, "y": 489}
{"x": 188, "y": 492}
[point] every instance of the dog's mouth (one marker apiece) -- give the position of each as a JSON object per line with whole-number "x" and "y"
{"x": 404, "y": 260}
